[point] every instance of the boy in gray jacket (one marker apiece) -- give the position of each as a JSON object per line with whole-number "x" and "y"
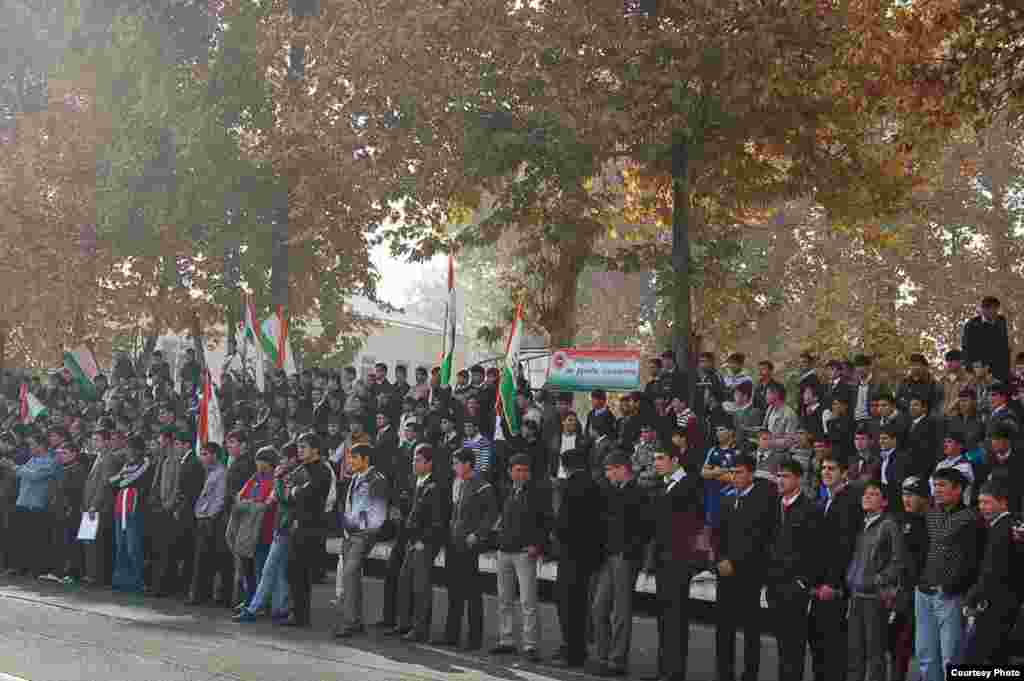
{"x": 872, "y": 577}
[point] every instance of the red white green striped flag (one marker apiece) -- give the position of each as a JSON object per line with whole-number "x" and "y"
{"x": 31, "y": 407}
{"x": 448, "y": 362}
{"x": 211, "y": 427}
{"x": 507, "y": 386}
{"x": 276, "y": 342}
{"x": 252, "y": 339}
{"x": 82, "y": 365}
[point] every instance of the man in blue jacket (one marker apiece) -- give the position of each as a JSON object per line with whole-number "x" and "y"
{"x": 33, "y": 520}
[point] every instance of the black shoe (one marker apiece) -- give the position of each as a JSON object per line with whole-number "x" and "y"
{"x": 195, "y": 601}
{"x": 414, "y": 637}
{"x": 397, "y": 631}
{"x": 531, "y": 655}
{"x": 617, "y": 669}
{"x": 292, "y": 622}
{"x": 445, "y": 643}
{"x": 474, "y": 646}
{"x": 383, "y": 625}
{"x": 503, "y": 650}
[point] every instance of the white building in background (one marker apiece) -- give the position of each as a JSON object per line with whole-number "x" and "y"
{"x": 401, "y": 339}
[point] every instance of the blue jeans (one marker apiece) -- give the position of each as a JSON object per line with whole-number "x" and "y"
{"x": 273, "y": 578}
{"x": 128, "y": 553}
{"x": 250, "y": 582}
{"x": 939, "y": 634}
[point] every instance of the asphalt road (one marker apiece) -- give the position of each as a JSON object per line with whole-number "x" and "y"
{"x": 53, "y": 633}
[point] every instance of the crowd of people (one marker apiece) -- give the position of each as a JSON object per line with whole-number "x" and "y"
{"x": 881, "y": 523}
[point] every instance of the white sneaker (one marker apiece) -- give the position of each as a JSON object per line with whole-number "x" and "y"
{"x": 49, "y": 577}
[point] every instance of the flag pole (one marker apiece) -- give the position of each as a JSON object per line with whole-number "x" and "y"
{"x": 444, "y": 333}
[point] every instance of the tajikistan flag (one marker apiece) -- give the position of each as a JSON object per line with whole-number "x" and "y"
{"x": 252, "y": 339}
{"x": 31, "y": 407}
{"x": 276, "y": 342}
{"x": 82, "y": 365}
{"x": 507, "y": 387}
{"x": 211, "y": 426}
{"x": 448, "y": 362}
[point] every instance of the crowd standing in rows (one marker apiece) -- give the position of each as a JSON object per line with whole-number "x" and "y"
{"x": 879, "y": 522}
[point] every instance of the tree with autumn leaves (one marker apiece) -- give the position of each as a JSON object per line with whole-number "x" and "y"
{"x": 175, "y": 211}
{"x": 815, "y": 135}
{"x": 470, "y": 123}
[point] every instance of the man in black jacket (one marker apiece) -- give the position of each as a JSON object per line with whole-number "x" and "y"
{"x": 1005, "y": 465}
{"x": 793, "y": 563}
{"x": 180, "y": 478}
{"x": 894, "y": 465}
{"x": 474, "y": 512}
{"x": 748, "y": 522}
{"x": 949, "y": 570}
{"x": 679, "y": 520}
{"x": 626, "y": 520}
{"x": 241, "y": 467}
{"x": 986, "y": 338}
{"x": 579, "y": 554}
{"x": 842, "y": 519}
{"x": 998, "y": 592}
{"x": 424, "y": 534}
{"x": 522, "y": 535}
{"x": 309, "y": 528}
{"x": 924, "y": 439}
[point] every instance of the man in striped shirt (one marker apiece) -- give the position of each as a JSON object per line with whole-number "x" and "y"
{"x": 481, "y": 446}
{"x": 949, "y": 570}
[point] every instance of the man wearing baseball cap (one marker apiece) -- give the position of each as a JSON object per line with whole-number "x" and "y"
{"x": 949, "y": 569}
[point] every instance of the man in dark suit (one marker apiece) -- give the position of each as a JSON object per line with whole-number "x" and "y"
{"x": 579, "y": 507}
{"x": 998, "y": 592}
{"x": 889, "y": 414}
{"x": 894, "y": 465}
{"x": 842, "y": 520}
{"x": 398, "y": 472}
{"x": 986, "y": 338}
{"x": 474, "y": 512}
{"x": 792, "y": 565}
{"x": 309, "y": 529}
{"x": 748, "y": 522}
{"x": 924, "y": 439}
{"x": 424, "y": 534}
{"x": 674, "y": 553}
{"x": 387, "y": 452}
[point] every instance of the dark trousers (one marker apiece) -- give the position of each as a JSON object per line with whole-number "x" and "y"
{"x": 827, "y": 634}
{"x": 738, "y": 604}
{"x": 174, "y": 554}
{"x": 465, "y": 593}
{"x": 34, "y": 532}
{"x": 573, "y": 588}
{"x": 673, "y": 582}
{"x": 211, "y": 559}
{"x": 393, "y": 570}
{"x": 6, "y": 537}
{"x": 303, "y": 562}
{"x": 991, "y": 640}
{"x": 868, "y": 626}
{"x": 99, "y": 554}
{"x": 71, "y": 550}
{"x": 789, "y": 609}
{"x": 901, "y": 643}
{"x": 416, "y": 590}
